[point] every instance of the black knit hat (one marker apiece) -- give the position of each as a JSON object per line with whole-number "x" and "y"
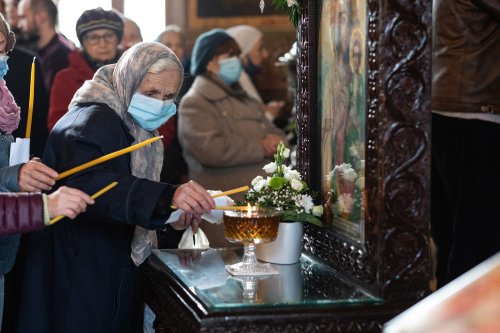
{"x": 204, "y": 49}
{"x": 98, "y": 18}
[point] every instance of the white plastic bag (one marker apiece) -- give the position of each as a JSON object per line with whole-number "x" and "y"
{"x": 193, "y": 241}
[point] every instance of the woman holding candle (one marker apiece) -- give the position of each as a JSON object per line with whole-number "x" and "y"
{"x": 224, "y": 133}
{"x": 91, "y": 280}
{"x": 32, "y": 176}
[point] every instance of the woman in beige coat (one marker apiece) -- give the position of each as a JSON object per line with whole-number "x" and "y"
{"x": 225, "y": 136}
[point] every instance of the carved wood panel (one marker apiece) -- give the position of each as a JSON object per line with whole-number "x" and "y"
{"x": 393, "y": 260}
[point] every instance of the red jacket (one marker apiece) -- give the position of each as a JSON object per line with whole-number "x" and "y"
{"x": 65, "y": 85}
{"x": 20, "y": 212}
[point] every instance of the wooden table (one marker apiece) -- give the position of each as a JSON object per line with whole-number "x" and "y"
{"x": 190, "y": 291}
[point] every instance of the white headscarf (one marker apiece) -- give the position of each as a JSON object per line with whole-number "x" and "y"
{"x": 246, "y": 36}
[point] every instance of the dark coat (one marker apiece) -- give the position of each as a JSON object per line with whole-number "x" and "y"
{"x": 18, "y": 80}
{"x": 79, "y": 274}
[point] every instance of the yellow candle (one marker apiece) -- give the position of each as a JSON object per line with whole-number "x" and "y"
{"x": 231, "y": 208}
{"x": 233, "y": 191}
{"x": 32, "y": 97}
{"x": 107, "y": 157}
{"x": 93, "y": 196}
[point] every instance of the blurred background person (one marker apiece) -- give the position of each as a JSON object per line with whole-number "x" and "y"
{"x": 253, "y": 54}
{"x": 38, "y": 20}
{"x": 18, "y": 81}
{"x": 173, "y": 38}
{"x": 131, "y": 34}
{"x": 99, "y": 32}
{"x": 225, "y": 136}
{"x": 12, "y": 18}
{"x": 465, "y": 105}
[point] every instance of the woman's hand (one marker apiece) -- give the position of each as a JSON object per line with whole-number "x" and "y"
{"x": 35, "y": 176}
{"x": 194, "y": 200}
{"x": 68, "y": 201}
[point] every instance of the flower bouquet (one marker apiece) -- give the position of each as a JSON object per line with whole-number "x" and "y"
{"x": 284, "y": 189}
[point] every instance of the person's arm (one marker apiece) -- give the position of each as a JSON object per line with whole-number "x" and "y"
{"x": 9, "y": 178}
{"x": 25, "y": 212}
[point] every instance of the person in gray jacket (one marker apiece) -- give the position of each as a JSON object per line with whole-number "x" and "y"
{"x": 225, "y": 136}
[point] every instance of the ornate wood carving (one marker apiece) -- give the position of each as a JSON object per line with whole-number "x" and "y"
{"x": 393, "y": 260}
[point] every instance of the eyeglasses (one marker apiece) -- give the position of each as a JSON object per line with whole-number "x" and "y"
{"x": 93, "y": 39}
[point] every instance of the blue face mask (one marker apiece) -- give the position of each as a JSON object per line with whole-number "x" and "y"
{"x": 3, "y": 65}
{"x": 230, "y": 70}
{"x": 150, "y": 113}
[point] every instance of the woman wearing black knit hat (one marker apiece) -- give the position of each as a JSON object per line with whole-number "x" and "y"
{"x": 99, "y": 32}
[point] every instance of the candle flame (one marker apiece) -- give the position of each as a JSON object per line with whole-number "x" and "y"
{"x": 249, "y": 210}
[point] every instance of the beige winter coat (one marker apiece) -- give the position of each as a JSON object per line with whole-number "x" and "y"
{"x": 220, "y": 130}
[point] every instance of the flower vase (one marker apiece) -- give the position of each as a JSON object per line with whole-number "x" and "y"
{"x": 286, "y": 248}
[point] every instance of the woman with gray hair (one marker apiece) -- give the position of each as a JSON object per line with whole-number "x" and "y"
{"x": 81, "y": 276}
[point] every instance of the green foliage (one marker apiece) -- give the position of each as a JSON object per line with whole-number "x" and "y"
{"x": 292, "y": 10}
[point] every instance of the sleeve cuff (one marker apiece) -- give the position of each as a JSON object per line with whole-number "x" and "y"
{"x": 46, "y": 216}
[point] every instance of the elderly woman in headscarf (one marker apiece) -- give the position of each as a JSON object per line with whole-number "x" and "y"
{"x": 80, "y": 276}
{"x": 226, "y": 138}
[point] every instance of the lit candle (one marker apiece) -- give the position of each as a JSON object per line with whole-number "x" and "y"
{"x": 107, "y": 157}
{"x": 93, "y": 196}
{"x": 32, "y": 97}
{"x": 252, "y": 224}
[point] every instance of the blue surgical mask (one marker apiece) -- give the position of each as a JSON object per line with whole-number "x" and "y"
{"x": 150, "y": 113}
{"x": 4, "y": 67}
{"x": 230, "y": 70}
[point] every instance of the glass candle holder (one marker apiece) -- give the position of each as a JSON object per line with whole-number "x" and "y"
{"x": 254, "y": 226}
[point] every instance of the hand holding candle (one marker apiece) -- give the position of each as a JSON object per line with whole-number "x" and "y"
{"x": 31, "y": 100}
{"x": 94, "y": 196}
{"x": 194, "y": 200}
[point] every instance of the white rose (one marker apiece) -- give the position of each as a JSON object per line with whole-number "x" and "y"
{"x": 260, "y": 185}
{"x": 286, "y": 153}
{"x": 297, "y": 185}
{"x": 256, "y": 180}
{"x": 317, "y": 210}
{"x": 270, "y": 168}
{"x": 291, "y": 174}
{"x": 307, "y": 203}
